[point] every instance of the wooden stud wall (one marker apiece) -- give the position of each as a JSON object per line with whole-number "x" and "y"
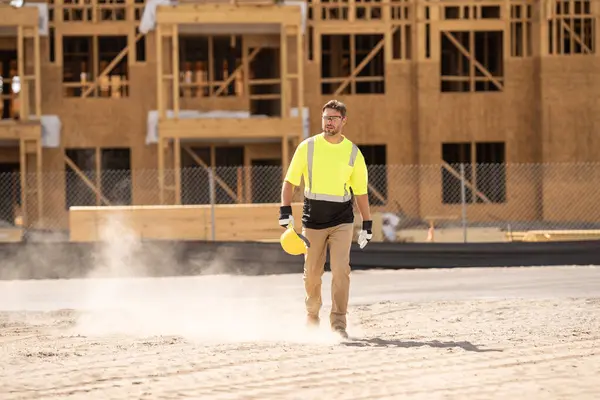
{"x": 25, "y": 133}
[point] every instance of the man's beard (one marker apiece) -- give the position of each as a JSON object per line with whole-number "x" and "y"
{"x": 331, "y": 132}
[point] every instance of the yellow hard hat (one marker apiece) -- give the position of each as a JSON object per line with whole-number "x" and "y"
{"x": 292, "y": 242}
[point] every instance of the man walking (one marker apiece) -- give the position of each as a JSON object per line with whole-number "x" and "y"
{"x": 335, "y": 174}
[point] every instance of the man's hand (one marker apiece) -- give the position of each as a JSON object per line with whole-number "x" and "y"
{"x": 366, "y": 234}
{"x": 285, "y": 216}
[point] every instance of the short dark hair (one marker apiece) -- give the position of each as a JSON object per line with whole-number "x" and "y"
{"x": 336, "y": 105}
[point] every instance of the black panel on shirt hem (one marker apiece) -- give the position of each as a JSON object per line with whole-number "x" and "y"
{"x": 321, "y": 214}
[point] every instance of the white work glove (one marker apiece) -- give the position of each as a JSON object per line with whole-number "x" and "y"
{"x": 366, "y": 234}
{"x": 285, "y": 216}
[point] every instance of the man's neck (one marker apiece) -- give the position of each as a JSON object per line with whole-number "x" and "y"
{"x": 335, "y": 139}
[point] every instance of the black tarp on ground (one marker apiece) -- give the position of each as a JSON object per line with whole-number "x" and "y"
{"x": 161, "y": 258}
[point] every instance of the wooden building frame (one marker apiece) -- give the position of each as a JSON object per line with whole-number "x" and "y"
{"x": 235, "y": 18}
{"x": 26, "y": 131}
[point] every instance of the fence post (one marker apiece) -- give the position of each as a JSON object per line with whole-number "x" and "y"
{"x": 211, "y": 183}
{"x": 463, "y": 201}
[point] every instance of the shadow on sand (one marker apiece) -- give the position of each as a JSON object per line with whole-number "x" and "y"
{"x": 377, "y": 342}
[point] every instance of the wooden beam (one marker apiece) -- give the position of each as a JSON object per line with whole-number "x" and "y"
{"x": 300, "y": 82}
{"x": 161, "y": 170}
{"x": 576, "y": 37}
{"x": 362, "y": 64}
{"x": 224, "y": 14}
{"x": 110, "y": 67}
{"x": 376, "y": 193}
{"x": 11, "y": 17}
{"x": 23, "y": 176}
{"x": 472, "y": 59}
{"x": 175, "y": 70}
{"x": 223, "y": 128}
{"x": 468, "y": 184}
{"x": 102, "y": 28}
{"x": 159, "y": 74}
{"x": 21, "y": 71}
{"x": 177, "y": 169}
{"x": 85, "y": 180}
{"x": 37, "y": 65}
{"x": 283, "y": 72}
{"x": 219, "y": 181}
{"x": 98, "y": 174}
{"x": 232, "y": 76}
{"x": 39, "y": 183}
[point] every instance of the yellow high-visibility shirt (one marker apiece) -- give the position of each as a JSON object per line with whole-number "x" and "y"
{"x": 332, "y": 174}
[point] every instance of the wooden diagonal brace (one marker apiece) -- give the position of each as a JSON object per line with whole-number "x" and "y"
{"x": 575, "y": 36}
{"x": 362, "y": 64}
{"x": 219, "y": 181}
{"x": 231, "y": 77}
{"x": 472, "y": 59}
{"x": 110, "y": 66}
{"x": 468, "y": 184}
{"x": 86, "y": 181}
{"x": 376, "y": 193}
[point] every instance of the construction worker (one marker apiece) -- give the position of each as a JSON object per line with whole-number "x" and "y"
{"x": 335, "y": 174}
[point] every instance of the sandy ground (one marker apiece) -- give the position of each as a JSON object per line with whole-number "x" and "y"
{"x": 530, "y": 333}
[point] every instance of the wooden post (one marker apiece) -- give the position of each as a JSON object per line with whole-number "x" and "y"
{"x": 21, "y": 73}
{"x": 284, "y": 71}
{"x": 98, "y": 156}
{"x": 161, "y": 170}
{"x": 23, "y": 174}
{"x": 38, "y": 174}
{"x": 300, "y": 79}
{"x": 159, "y": 73}
{"x": 37, "y": 72}
{"x": 177, "y": 169}
{"x": 175, "y": 57}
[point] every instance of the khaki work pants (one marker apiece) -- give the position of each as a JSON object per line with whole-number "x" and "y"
{"x": 339, "y": 239}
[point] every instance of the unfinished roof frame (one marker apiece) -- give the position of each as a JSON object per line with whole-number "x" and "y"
{"x": 206, "y": 18}
{"x": 26, "y": 132}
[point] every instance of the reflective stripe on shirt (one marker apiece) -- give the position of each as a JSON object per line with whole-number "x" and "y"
{"x": 326, "y": 197}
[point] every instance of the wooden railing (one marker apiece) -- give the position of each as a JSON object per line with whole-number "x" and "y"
{"x": 93, "y": 11}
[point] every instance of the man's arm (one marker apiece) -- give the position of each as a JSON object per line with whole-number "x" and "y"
{"x": 287, "y": 192}
{"x": 359, "y": 182}
{"x": 362, "y": 201}
{"x": 292, "y": 179}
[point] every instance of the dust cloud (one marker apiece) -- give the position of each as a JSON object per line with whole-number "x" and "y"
{"x": 121, "y": 297}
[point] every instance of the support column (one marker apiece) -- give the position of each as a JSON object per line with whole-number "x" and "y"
{"x": 161, "y": 170}
{"x": 283, "y": 52}
{"x": 300, "y": 79}
{"x": 29, "y": 146}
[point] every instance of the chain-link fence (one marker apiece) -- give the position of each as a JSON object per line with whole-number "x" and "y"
{"x": 443, "y": 202}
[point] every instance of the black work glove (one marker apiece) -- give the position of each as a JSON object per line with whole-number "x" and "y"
{"x": 366, "y": 233}
{"x": 285, "y": 216}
